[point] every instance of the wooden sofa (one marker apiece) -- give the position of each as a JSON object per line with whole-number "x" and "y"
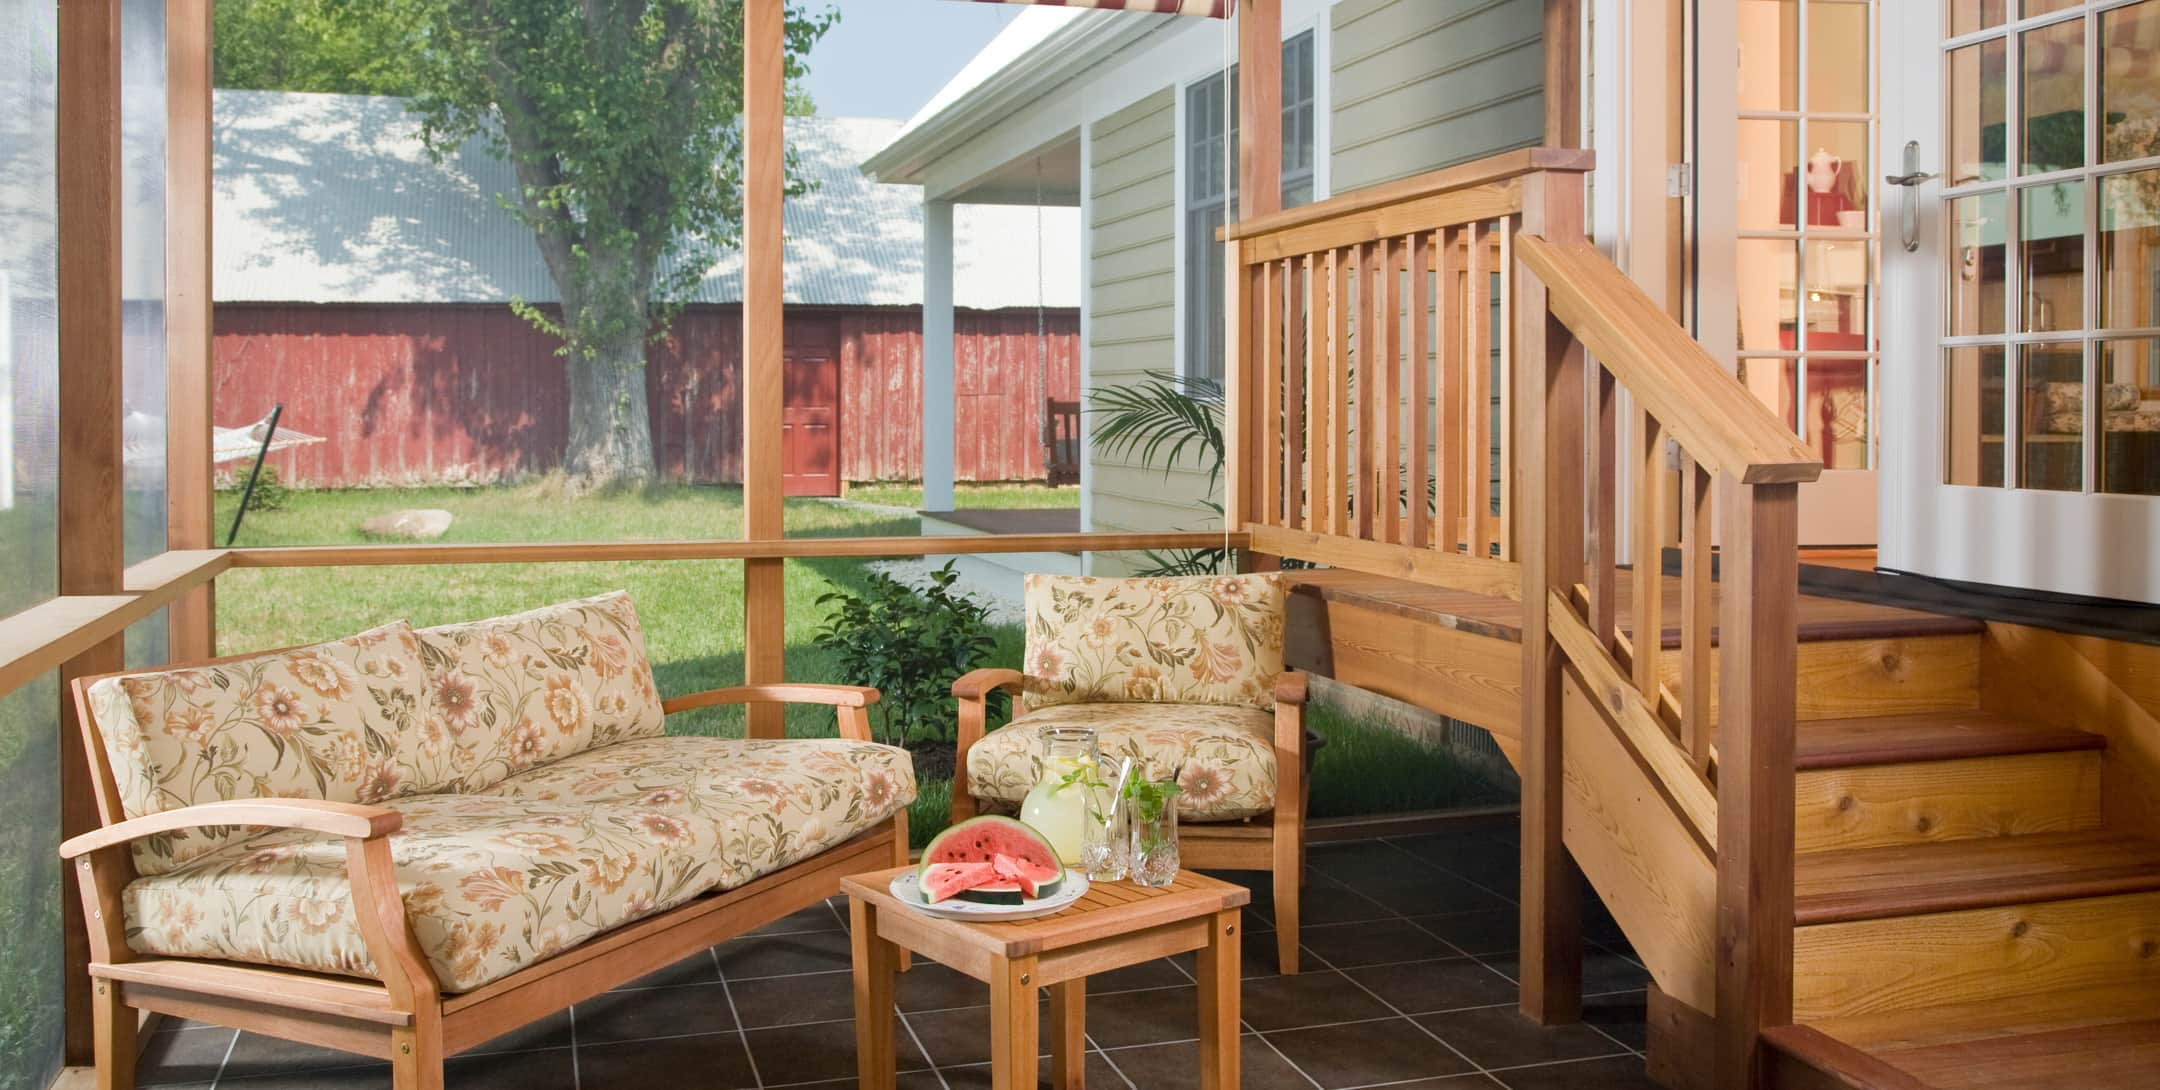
{"x": 209, "y": 904}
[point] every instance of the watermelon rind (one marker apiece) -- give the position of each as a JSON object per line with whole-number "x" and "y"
{"x": 1008, "y": 893}
{"x": 982, "y": 839}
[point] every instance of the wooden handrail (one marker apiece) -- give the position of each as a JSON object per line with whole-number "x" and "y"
{"x": 792, "y": 548}
{"x": 1503, "y": 167}
{"x": 1714, "y": 417}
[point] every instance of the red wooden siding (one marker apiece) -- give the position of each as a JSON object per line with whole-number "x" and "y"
{"x": 422, "y": 394}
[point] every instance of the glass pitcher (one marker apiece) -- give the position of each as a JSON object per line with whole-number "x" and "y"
{"x": 1057, "y": 805}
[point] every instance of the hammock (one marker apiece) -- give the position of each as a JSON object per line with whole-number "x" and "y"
{"x": 142, "y": 440}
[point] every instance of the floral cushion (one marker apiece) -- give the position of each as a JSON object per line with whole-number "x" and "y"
{"x": 774, "y": 801}
{"x": 1193, "y": 640}
{"x": 510, "y": 693}
{"x": 490, "y": 885}
{"x": 323, "y": 722}
{"x": 1222, "y": 754}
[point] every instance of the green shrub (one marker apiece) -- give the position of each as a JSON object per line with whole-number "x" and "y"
{"x": 269, "y": 494}
{"x": 911, "y": 647}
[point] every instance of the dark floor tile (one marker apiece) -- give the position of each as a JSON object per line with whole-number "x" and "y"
{"x": 1602, "y": 972}
{"x": 930, "y": 986}
{"x": 958, "y": 1038}
{"x": 1144, "y": 1018}
{"x": 1375, "y": 943}
{"x": 1258, "y": 956}
{"x": 1624, "y": 1016}
{"x": 1363, "y": 1053}
{"x": 550, "y": 1032}
{"x": 1496, "y": 931}
{"x": 1099, "y": 1074}
{"x": 374, "y": 1076}
{"x": 1307, "y": 999}
{"x": 1618, "y": 1073}
{"x": 818, "y": 917}
{"x": 1327, "y": 901}
{"x": 1455, "y": 1082}
{"x": 819, "y": 1052}
{"x": 1426, "y": 894}
{"x": 785, "y": 955}
{"x": 548, "y": 1069}
{"x": 255, "y": 1054}
{"x": 696, "y": 969}
{"x": 1177, "y": 1067}
{"x": 1160, "y": 973}
{"x": 1494, "y": 1037}
{"x": 714, "y": 1061}
{"x": 793, "y": 1000}
{"x": 654, "y": 1012}
{"x": 1421, "y": 986}
{"x": 190, "y": 1056}
{"x": 924, "y": 1079}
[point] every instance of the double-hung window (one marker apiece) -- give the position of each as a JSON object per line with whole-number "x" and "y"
{"x": 1211, "y": 137}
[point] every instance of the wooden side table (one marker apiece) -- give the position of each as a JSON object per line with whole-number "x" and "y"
{"x": 1116, "y": 924}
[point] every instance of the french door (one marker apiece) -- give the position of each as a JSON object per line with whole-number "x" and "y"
{"x": 2021, "y": 282}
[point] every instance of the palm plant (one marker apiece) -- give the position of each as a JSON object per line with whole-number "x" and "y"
{"x": 1161, "y": 419}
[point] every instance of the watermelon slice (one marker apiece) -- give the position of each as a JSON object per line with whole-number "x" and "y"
{"x": 991, "y": 859}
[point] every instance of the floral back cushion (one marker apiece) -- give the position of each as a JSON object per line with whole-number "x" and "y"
{"x": 511, "y": 693}
{"x": 322, "y": 722}
{"x": 1195, "y": 640}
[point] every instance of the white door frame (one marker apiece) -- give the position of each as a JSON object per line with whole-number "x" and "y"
{"x": 2090, "y": 544}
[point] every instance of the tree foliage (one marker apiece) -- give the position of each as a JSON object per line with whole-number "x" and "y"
{"x": 329, "y": 46}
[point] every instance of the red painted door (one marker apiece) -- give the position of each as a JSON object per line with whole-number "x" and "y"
{"x": 810, "y": 425}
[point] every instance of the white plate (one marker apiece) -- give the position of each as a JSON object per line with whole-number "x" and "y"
{"x": 907, "y": 892}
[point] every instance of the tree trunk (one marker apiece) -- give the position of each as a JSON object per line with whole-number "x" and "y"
{"x": 610, "y": 428}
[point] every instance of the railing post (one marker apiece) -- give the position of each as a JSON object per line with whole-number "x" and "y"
{"x": 1549, "y": 424}
{"x": 764, "y": 517}
{"x": 1260, "y": 193}
{"x": 1758, "y": 639}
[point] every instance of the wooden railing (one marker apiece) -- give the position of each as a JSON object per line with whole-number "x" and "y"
{"x": 1373, "y": 380}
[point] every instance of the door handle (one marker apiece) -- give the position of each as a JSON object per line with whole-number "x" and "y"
{"x": 1910, "y": 181}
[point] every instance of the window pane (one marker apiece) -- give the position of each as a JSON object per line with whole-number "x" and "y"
{"x": 1973, "y": 408}
{"x": 1838, "y": 56}
{"x": 1767, "y": 274}
{"x": 1967, "y": 16}
{"x": 1836, "y": 179}
{"x": 2051, "y": 255}
{"x": 2052, "y": 416}
{"x": 2130, "y": 81}
{"x": 1768, "y": 178}
{"x": 2130, "y": 416}
{"x": 1769, "y": 54}
{"x": 1978, "y": 91}
{"x": 1836, "y": 410}
{"x": 2053, "y": 97}
{"x": 2130, "y": 250}
{"x": 1839, "y": 292}
{"x": 2032, "y": 8}
{"x": 1776, "y": 383}
{"x": 142, "y": 251}
{"x": 1976, "y": 265}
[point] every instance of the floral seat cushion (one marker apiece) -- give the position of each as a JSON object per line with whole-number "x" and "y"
{"x": 774, "y": 801}
{"x": 1190, "y": 640}
{"x": 490, "y": 885}
{"x": 1222, "y": 754}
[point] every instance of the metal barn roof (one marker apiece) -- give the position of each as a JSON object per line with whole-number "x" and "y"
{"x": 333, "y": 199}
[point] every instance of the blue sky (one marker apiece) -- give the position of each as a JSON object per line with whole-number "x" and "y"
{"x": 885, "y": 58}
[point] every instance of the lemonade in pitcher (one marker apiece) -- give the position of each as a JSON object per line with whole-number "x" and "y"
{"x": 1057, "y": 805}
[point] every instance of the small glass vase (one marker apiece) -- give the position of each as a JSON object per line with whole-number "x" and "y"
{"x": 1153, "y": 818}
{"x": 1106, "y": 842}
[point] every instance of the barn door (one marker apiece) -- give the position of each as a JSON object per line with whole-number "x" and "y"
{"x": 810, "y": 424}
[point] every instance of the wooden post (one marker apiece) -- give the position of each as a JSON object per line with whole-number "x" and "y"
{"x": 91, "y": 557}
{"x": 191, "y": 622}
{"x": 1549, "y": 380}
{"x": 1259, "y": 193}
{"x": 1758, "y": 645}
{"x": 764, "y": 188}
{"x": 1563, "y": 73}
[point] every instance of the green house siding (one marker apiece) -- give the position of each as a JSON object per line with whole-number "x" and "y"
{"x": 1421, "y": 84}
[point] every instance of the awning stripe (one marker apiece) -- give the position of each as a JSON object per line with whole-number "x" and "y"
{"x": 1214, "y": 9}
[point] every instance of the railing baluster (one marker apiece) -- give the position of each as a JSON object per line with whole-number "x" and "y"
{"x": 1649, "y": 600}
{"x": 1420, "y": 388}
{"x": 1270, "y": 393}
{"x": 1390, "y": 390}
{"x": 1604, "y": 575}
{"x": 1696, "y": 617}
{"x": 1340, "y": 272}
{"x": 1505, "y": 529}
{"x": 1449, "y": 337}
{"x": 1364, "y": 386}
{"x": 1479, "y": 326}
{"x": 1297, "y": 329}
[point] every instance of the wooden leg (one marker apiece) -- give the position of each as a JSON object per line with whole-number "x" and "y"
{"x": 113, "y": 1037}
{"x": 1219, "y": 973}
{"x": 1014, "y": 1029}
{"x": 906, "y": 958}
{"x": 1068, "y": 1019}
{"x": 875, "y": 963}
{"x": 416, "y": 1057}
{"x": 1289, "y": 892}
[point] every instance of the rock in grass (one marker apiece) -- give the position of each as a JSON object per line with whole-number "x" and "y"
{"x": 415, "y": 525}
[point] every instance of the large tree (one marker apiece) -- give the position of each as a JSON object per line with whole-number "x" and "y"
{"x": 619, "y": 118}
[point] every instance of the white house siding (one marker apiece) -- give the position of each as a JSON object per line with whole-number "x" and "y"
{"x": 1421, "y": 84}
{"x": 1132, "y": 327}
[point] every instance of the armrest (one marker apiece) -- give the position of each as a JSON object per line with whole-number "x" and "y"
{"x": 837, "y": 696}
{"x": 978, "y": 684}
{"x": 1290, "y": 687}
{"x": 345, "y": 819}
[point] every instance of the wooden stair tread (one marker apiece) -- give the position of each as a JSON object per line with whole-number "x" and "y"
{"x": 1899, "y": 739}
{"x": 2114, "y": 1056}
{"x": 1943, "y": 876}
{"x": 2017, "y": 1015}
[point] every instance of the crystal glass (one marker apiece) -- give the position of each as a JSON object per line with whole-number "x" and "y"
{"x": 1152, "y": 812}
{"x": 1106, "y": 840}
{"x": 1057, "y": 805}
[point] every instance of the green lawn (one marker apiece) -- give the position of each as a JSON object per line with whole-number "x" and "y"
{"x": 969, "y": 497}
{"x": 692, "y": 610}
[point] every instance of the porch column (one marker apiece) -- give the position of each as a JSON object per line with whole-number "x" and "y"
{"x": 937, "y": 380}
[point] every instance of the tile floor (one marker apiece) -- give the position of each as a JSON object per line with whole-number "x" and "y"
{"x": 1408, "y": 954}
